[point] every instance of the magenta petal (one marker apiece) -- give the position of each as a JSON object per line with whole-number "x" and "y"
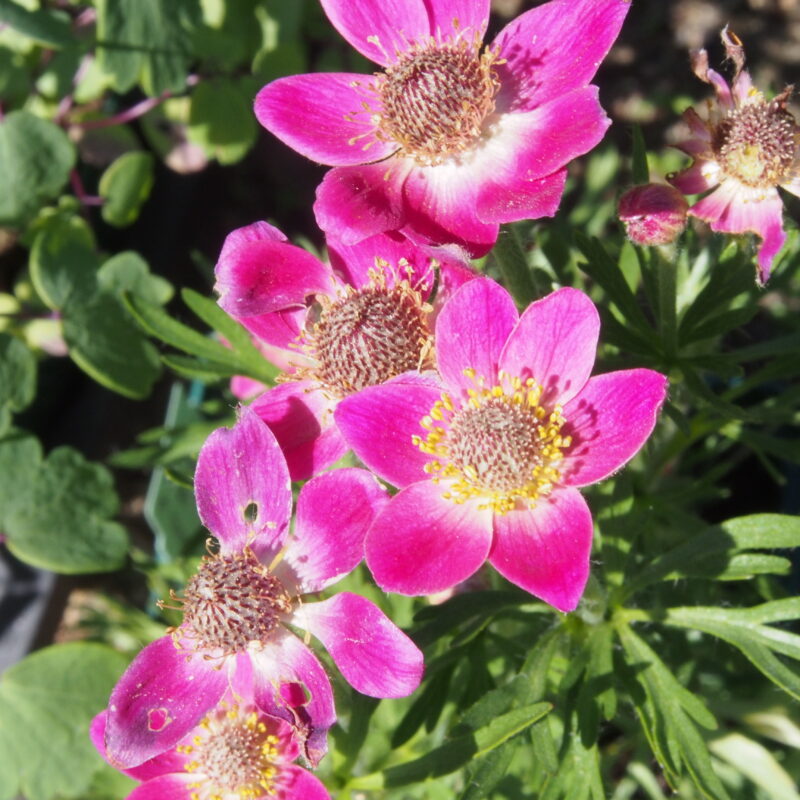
{"x": 356, "y": 202}
{"x": 374, "y": 655}
{"x": 609, "y": 421}
{"x": 379, "y": 422}
{"x": 301, "y": 418}
{"x": 162, "y": 695}
{"x": 300, "y": 784}
{"x": 471, "y": 331}
{"x": 354, "y": 262}
{"x": 555, "y": 343}
{"x": 244, "y": 496}
{"x": 379, "y": 30}
{"x": 276, "y": 331}
{"x": 333, "y": 514}
{"x": 546, "y": 549}
{"x": 342, "y": 133}
{"x": 441, "y": 207}
{"x": 166, "y": 787}
{"x": 421, "y": 543}
{"x": 697, "y": 178}
{"x": 169, "y": 761}
{"x": 264, "y": 275}
{"x": 517, "y": 198}
{"x": 449, "y": 18}
{"x": 555, "y": 48}
{"x": 290, "y": 683}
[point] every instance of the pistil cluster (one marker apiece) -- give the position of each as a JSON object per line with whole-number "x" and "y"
{"x": 501, "y": 446}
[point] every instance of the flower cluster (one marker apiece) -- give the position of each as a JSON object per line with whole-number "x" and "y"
{"x": 486, "y": 421}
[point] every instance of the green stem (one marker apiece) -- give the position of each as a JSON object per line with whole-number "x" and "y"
{"x": 513, "y": 264}
{"x": 667, "y": 296}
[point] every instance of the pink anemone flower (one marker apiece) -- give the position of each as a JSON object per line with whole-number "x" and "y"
{"x": 488, "y": 454}
{"x": 451, "y": 138}
{"x": 332, "y": 329}
{"x": 239, "y": 606}
{"x": 236, "y": 752}
{"x": 743, "y": 152}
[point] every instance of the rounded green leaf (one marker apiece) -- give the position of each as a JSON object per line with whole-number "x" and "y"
{"x": 17, "y": 378}
{"x": 221, "y": 120}
{"x": 46, "y": 704}
{"x": 35, "y": 159}
{"x": 126, "y": 185}
{"x": 129, "y": 272}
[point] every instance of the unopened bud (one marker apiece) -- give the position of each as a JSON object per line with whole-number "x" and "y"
{"x": 654, "y": 213}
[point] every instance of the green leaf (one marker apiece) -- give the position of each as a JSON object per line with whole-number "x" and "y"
{"x": 35, "y": 160}
{"x": 712, "y": 553}
{"x": 101, "y": 336}
{"x": 45, "y": 26}
{"x": 129, "y": 272}
{"x": 221, "y": 120}
{"x": 55, "y": 512}
{"x": 755, "y": 762}
{"x": 600, "y": 266}
{"x": 17, "y": 378}
{"x": 146, "y": 41}
{"x": 460, "y": 750}
{"x": 105, "y": 343}
{"x": 126, "y": 185}
{"x": 745, "y": 629}
{"x": 63, "y": 262}
{"x": 46, "y": 704}
{"x": 666, "y": 713}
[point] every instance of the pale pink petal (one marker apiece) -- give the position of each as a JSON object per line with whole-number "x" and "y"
{"x": 374, "y": 655}
{"x": 516, "y": 199}
{"x": 422, "y": 543}
{"x": 169, "y": 761}
{"x": 162, "y": 695}
{"x": 289, "y": 683}
{"x": 471, "y": 331}
{"x": 379, "y": 422}
{"x": 378, "y": 30}
{"x": 736, "y": 209}
{"x": 242, "y": 486}
{"x": 333, "y": 514}
{"x": 356, "y": 202}
{"x": 321, "y": 116}
{"x": 263, "y": 275}
{"x": 167, "y": 787}
{"x": 354, "y": 262}
{"x": 545, "y": 550}
{"x": 555, "y": 343}
{"x": 440, "y": 206}
{"x": 300, "y": 784}
{"x": 609, "y": 421}
{"x": 301, "y": 417}
{"x": 700, "y": 130}
{"x": 722, "y": 90}
{"x": 243, "y": 388}
{"x": 467, "y": 18}
{"x": 699, "y": 177}
{"x": 536, "y": 143}
{"x": 742, "y": 87}
{"x": 555, "y": 48}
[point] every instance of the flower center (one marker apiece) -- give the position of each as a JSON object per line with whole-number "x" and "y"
{"x": 232, "y": 601}
{"x": 235, "y": 753}
{"x": 757, "y": 143}
{"x": 435, "y": 99}
{"x": 367, "y": 336}
{"x": 501, "y": 445}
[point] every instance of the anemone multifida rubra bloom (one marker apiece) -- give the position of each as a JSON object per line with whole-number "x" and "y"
{"x": 237, "y": 608}
{"x": 235, "y": 752}
{"x": 333, "y": 328}
{"x": 488, "y": 454}
{"x": 451, "y": 138}
{"x": 744, "y": 150}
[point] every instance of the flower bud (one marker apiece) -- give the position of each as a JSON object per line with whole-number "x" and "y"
{"x": 654, "y": 213}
